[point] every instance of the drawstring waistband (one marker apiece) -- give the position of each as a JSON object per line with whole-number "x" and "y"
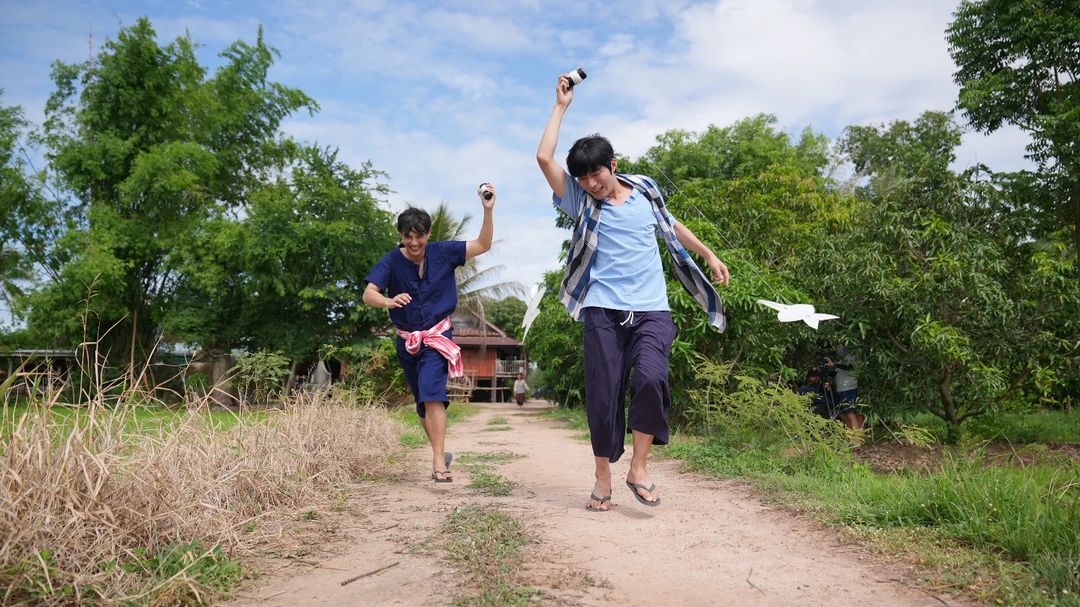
{"x": 629, "y": 319}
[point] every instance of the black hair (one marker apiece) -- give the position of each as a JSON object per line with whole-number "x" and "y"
{"x": 588, "y": 154}
{"x": 412, "y": 220}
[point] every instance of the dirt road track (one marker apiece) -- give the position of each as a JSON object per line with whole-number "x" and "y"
{"x": 709, "y": 543}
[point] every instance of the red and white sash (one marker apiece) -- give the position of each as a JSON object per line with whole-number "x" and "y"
{"x": 434, "y": 339}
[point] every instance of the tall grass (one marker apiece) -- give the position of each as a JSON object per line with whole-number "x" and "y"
{"x": 96, "y": 510}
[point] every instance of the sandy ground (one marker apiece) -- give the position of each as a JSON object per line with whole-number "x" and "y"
{"x": 709, "y": 543}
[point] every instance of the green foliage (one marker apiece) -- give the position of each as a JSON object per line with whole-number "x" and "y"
{"x": 739, "y": 409}
{"x": 507, "y": 314}
{"x": 207, "y": 568}
{"x": 1045, "y": 427}
{"x": 259, "y": 373}
{"x": 18, "y": 197}
{"x": 939, "y": 294}
{"x": 374, "y": 373}
{"x": 289, "y": 276}
{"x": 555, "y": 341}
{"x": 1017, "y": 63}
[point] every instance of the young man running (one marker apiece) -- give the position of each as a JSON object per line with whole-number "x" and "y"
{"x": 614, "y": 283}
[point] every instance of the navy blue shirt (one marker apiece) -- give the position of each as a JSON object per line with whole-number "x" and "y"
{"x": 434, "y": 296}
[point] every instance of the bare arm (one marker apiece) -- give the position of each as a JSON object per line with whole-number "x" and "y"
{"x": 545, "y": 154}
{"x": 482, "y": 243}
{"x": 373, "y": 297}
{"x": 720, "y": 272}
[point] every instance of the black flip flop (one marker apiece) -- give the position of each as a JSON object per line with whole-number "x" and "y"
{"x": 597, "y": 498}
{"x": 435, "y": 476}
{"x": 633, "y": 489}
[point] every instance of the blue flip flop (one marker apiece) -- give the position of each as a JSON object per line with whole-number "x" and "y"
{"x": 633, "y": 489}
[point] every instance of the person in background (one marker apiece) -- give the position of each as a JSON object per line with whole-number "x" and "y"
{"x": 520, "y": 388}
{"x": 846, "y": 387}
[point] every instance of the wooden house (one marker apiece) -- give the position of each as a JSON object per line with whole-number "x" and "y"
{"x": 491, "y": 359}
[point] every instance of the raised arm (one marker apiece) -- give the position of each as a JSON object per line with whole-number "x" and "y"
{"x": 545, "y": 154}
{"x": 720, "y": 272}
{"x": 482, "y": 243}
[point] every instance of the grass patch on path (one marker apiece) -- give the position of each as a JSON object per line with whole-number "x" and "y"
{"x": 484, "y": 481}
{"x": 486, "y": 546}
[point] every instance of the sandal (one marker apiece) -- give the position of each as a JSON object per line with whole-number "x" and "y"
{"x": 635, "y": 486}
{"x": 597, "y": 498}
{"x": 442, "y": 476}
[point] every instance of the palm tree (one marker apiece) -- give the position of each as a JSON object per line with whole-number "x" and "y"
{"x": 474, "y": 285}
{"x": 12, "y": 271}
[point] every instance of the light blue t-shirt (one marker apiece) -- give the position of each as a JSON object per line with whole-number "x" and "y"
{"x": 626, "y": 272}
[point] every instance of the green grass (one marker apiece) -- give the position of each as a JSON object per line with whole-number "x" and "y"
{"x": 1017, "y": 428}
{"x": 498, "y": 421}
{"x": 483, "y": 461}
{"x": 137, "y": 420}
{"x": 491, "y": 484}
{"x": 180, "y": 575}
{"x": 575, "y": 417}
{"x": 486, "y": 545}
{"x": 1023, "y": 519}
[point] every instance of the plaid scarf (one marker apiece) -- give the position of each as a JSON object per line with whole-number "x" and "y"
{"x": 583, "y": 250}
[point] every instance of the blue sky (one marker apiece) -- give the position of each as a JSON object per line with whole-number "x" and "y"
{"x": 446, "y": 95}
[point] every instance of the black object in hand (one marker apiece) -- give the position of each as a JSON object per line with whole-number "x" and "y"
{"x": 488, "y": 194}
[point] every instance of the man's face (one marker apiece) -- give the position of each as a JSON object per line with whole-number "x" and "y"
{"x": 415, "y": 243}
{"x": 601, "y": 182}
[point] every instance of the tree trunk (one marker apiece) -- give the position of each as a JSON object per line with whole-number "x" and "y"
{"x": 291, "y": 380}
{"x": 1076, "y": 224}
{"x": 948, "y": 405}
{"x": 220, "y": 392}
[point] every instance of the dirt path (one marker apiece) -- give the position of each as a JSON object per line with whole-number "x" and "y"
{"x": 709, "y": 543}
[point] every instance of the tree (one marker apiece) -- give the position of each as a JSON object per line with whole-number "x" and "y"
{"x": 289, "y": 276}
{"x": 151, "y": 150}
{"x": 15, "y": 194}
{"x": 507, "y": 314}
{"x": 1018, "y": 62}
{"x": 927, "y": 277}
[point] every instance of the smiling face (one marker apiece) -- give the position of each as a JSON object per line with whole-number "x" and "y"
{"x": 600, "y": 182}
{"x": 415, "y": 244}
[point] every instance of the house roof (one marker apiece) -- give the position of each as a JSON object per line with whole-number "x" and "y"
{"x": 470, "y": 329}
{"x": 490, "y": 340}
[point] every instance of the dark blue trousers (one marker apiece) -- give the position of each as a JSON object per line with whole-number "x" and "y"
{"x": 617, "y": 342}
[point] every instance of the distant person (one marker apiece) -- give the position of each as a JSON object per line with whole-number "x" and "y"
{"x": 614, "y": 283}
{"x": 520, "y": 388}
{"x": 421, "y": 293}
{"x": 847, "y": 388}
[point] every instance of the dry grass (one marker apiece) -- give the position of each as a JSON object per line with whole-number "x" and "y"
{"x": 89, "y": 510}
